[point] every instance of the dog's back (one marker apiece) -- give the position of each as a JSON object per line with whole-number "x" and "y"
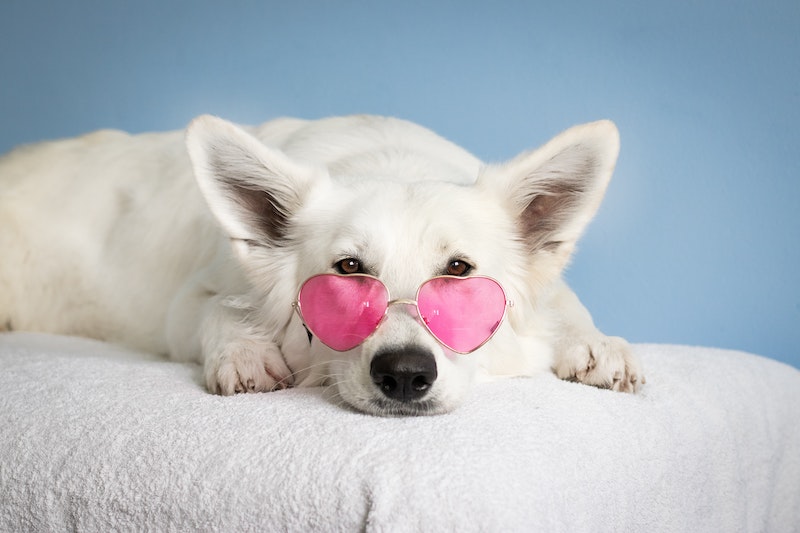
{"x": 90, "y": 227}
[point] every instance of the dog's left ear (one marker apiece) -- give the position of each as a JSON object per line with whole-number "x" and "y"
{"x": 554, "y": 191}
{"x": 253, "y": 189}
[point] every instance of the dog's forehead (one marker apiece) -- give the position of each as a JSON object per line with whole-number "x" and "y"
{"x": 407, "y": 233}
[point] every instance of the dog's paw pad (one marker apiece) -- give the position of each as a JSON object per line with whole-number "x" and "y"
{"x": 247, "y": 367}
{"x": 605, "y": 362}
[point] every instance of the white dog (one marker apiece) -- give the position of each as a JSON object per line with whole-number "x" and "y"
{"x": 109, "y": 236}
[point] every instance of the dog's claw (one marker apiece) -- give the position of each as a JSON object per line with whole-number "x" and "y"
{"x": 246, "y": 367}
{"x": 606, "y": 362}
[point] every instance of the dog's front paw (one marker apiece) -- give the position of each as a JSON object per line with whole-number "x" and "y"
{"x": 247, "y": 366}
{"x": 605, "y": 362}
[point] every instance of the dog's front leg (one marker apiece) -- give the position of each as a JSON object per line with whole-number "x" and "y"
{"x": 584, "y": 354}
{"x": 207, "y": 325}
{"x": 238, "y": 355}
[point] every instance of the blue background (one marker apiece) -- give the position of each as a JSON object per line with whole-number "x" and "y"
{"x": 697, "y": 241}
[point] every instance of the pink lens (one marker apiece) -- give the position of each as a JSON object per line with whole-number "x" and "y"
{"x": 342, "y": 311}
{"x": 463, "y": 313}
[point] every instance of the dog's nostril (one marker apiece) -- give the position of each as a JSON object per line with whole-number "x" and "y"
{"x": 387, "y": 383}
{"x": 405, "y": 374}
{"x": 420, "y": 383}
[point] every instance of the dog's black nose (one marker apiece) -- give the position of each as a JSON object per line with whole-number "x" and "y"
{"x": 406, "y": 374}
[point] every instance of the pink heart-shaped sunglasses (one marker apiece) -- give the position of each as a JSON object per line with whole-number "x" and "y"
{"x": 342, "y": 311}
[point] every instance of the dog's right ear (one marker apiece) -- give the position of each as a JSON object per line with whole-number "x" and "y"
{"x": 252, "y": 189}
{"x": 554, "y": 191}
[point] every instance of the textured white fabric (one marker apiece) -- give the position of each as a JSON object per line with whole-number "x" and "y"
{"x": 94, "y": 438}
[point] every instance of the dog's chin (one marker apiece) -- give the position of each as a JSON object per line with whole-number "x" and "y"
{"x": 391, "y": 408}
{"x": 366, "y": 400}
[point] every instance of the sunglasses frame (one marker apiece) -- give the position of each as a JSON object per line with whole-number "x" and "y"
{"x": 404, "y": 301}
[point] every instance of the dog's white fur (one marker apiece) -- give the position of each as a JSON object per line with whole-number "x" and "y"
{"x": 109, "y": 236}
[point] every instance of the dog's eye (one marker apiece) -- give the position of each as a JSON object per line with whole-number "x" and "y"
{"x": 349, "y": 266}
{"x": 458, "y": 268}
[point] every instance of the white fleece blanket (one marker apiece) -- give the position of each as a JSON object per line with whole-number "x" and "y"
{"x": 94, "y": 438}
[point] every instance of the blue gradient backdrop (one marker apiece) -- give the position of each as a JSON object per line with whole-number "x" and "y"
{"x": 697, "y": 241}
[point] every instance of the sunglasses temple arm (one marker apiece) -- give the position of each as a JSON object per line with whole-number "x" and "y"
{"x": 296, "y": 306}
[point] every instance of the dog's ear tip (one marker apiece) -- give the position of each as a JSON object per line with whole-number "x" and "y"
{"x": 206, "y": 119}
{"x": 203, "y": 126}
{"x": 605, "y": 123}
{"x": 609, "y": 128}
{"x": 198, "y": 128}
{"x": 199, "y": 122}
{"x": 604, "y": 130}
{"x": 600, "y": 139}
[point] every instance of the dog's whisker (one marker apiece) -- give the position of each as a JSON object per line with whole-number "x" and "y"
{"x": 300, "y": 371}
{"x": 322, "y": 378}
{"x": 294, "y": 373}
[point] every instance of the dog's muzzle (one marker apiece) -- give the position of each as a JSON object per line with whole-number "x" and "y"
{"x": 405, "y": 374}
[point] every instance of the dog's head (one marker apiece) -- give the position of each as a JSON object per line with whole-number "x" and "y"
{"x": 290, "y": 220}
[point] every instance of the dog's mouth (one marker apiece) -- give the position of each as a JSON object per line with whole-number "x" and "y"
{"x": 373, "y": 400}
{"x": 389, "y": 408}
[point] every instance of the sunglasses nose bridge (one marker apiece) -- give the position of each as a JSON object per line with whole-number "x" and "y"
{"x": 403, "y": 301}
{"x": 409, "y": 304}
